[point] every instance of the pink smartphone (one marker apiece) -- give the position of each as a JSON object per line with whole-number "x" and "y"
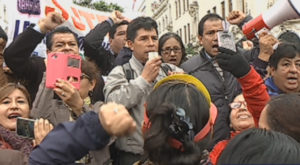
{"x": 63, "y": 66}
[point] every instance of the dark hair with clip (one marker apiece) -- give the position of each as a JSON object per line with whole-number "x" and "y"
{"x": 176, "y": 111}
{"x": 181, "y": 127}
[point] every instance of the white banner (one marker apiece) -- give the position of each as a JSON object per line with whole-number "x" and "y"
{"x": 17, "y": 15}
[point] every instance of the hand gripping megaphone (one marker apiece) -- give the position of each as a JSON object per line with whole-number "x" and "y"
{"x": 281, "y": 11}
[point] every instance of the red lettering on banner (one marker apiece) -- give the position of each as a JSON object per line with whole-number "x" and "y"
{"x": 78, "y": 25}
{"x": 89, "y": 17}
{"x": 49, "y": 10}
{"x": 64, "y": 12}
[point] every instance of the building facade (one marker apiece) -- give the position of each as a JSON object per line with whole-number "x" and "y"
{"x": 182, "y": 16}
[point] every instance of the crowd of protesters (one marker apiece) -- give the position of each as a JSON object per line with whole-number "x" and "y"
{"x": 218, "y": 107}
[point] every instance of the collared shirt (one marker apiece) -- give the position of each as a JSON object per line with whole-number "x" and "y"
{"x": 216, "y": 65}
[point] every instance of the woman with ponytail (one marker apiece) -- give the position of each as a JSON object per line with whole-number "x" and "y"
{"x": 178, "y": 122}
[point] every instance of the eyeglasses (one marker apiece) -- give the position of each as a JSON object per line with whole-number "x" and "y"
{"x": 168, "y": 51}
{"x": 84, "y": 76}
{"x": 238, "y": 104}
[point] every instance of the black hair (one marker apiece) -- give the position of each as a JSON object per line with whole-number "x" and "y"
{"x": 113, "y": 29}
{"x": 283, "y": 113}
{"x": 210, "y": 16}
{"x": 138, "y": 23}
{"x": 167, "y": 36}
{"x": 91, "y": 70}
{"x": 259, "y": 146}
{"x": 3, "y": 34}
{"x": 161, "y": 106}
{"x": 289, "y": 36}
{"x": 61, "y": 29}
{"x": 284, "y": 50}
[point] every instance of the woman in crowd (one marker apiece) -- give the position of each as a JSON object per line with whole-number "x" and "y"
{"x": 259, "y": 146}
{"x": 178, "y": 122}
{"x": 246, "y": 107}
{"x": 281, "y": 112}
{"x": 15, "y": 102}
{"x": 66, "y": 103}
{"x": 172, "y": 49}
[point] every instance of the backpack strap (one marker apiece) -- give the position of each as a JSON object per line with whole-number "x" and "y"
{"x": 166, "y": 68}
{"x": 129, "y": 73}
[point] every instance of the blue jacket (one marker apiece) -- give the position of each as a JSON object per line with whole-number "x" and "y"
{"x": 273, "y": 90}
{"x": 70, "y": 141}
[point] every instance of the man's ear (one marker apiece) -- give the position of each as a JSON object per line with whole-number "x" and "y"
{"x": 110, "y": 40}
{"x": 130, "y": 44}
{"x": 200, "y": 39}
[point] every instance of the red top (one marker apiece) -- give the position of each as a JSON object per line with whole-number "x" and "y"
{"x": 256, "y": 96}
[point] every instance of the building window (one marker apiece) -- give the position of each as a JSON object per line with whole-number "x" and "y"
{"x": 223, "y": 9}
{"x": 230, "y": 5}
{"x": 179, "y": 11}
{"x": 180, "y": 32}
{"x": 176, "y": 5}
{"x": 185, "y": 35}
{"x": 215, "y": 10}
{"x": 167, "y": 21}
{"x": 189, "y": 32}
{"x": 187, "y": 4}
{"x": 183, "y": 5}
{"x": 243, "y": 6}
{"x": 159, "y": 26}
{"x": 163, "y": 24}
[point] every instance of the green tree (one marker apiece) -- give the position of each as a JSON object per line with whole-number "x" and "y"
{"x": 86, "y": 3}
{"x": 191, "y": 50}
{"x": 99, "y": 5}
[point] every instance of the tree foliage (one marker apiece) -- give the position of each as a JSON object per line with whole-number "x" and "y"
{"x": 99, "y": 5}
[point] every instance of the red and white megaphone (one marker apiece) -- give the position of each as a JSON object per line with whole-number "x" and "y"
{"x": 282, "y": 10}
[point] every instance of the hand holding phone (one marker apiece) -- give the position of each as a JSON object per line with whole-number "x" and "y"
{"x": 25, "y": 127}
{"x": 63, "y": 66}
{"x": 41, "y": 129}
{"x": 226, "y": 40}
